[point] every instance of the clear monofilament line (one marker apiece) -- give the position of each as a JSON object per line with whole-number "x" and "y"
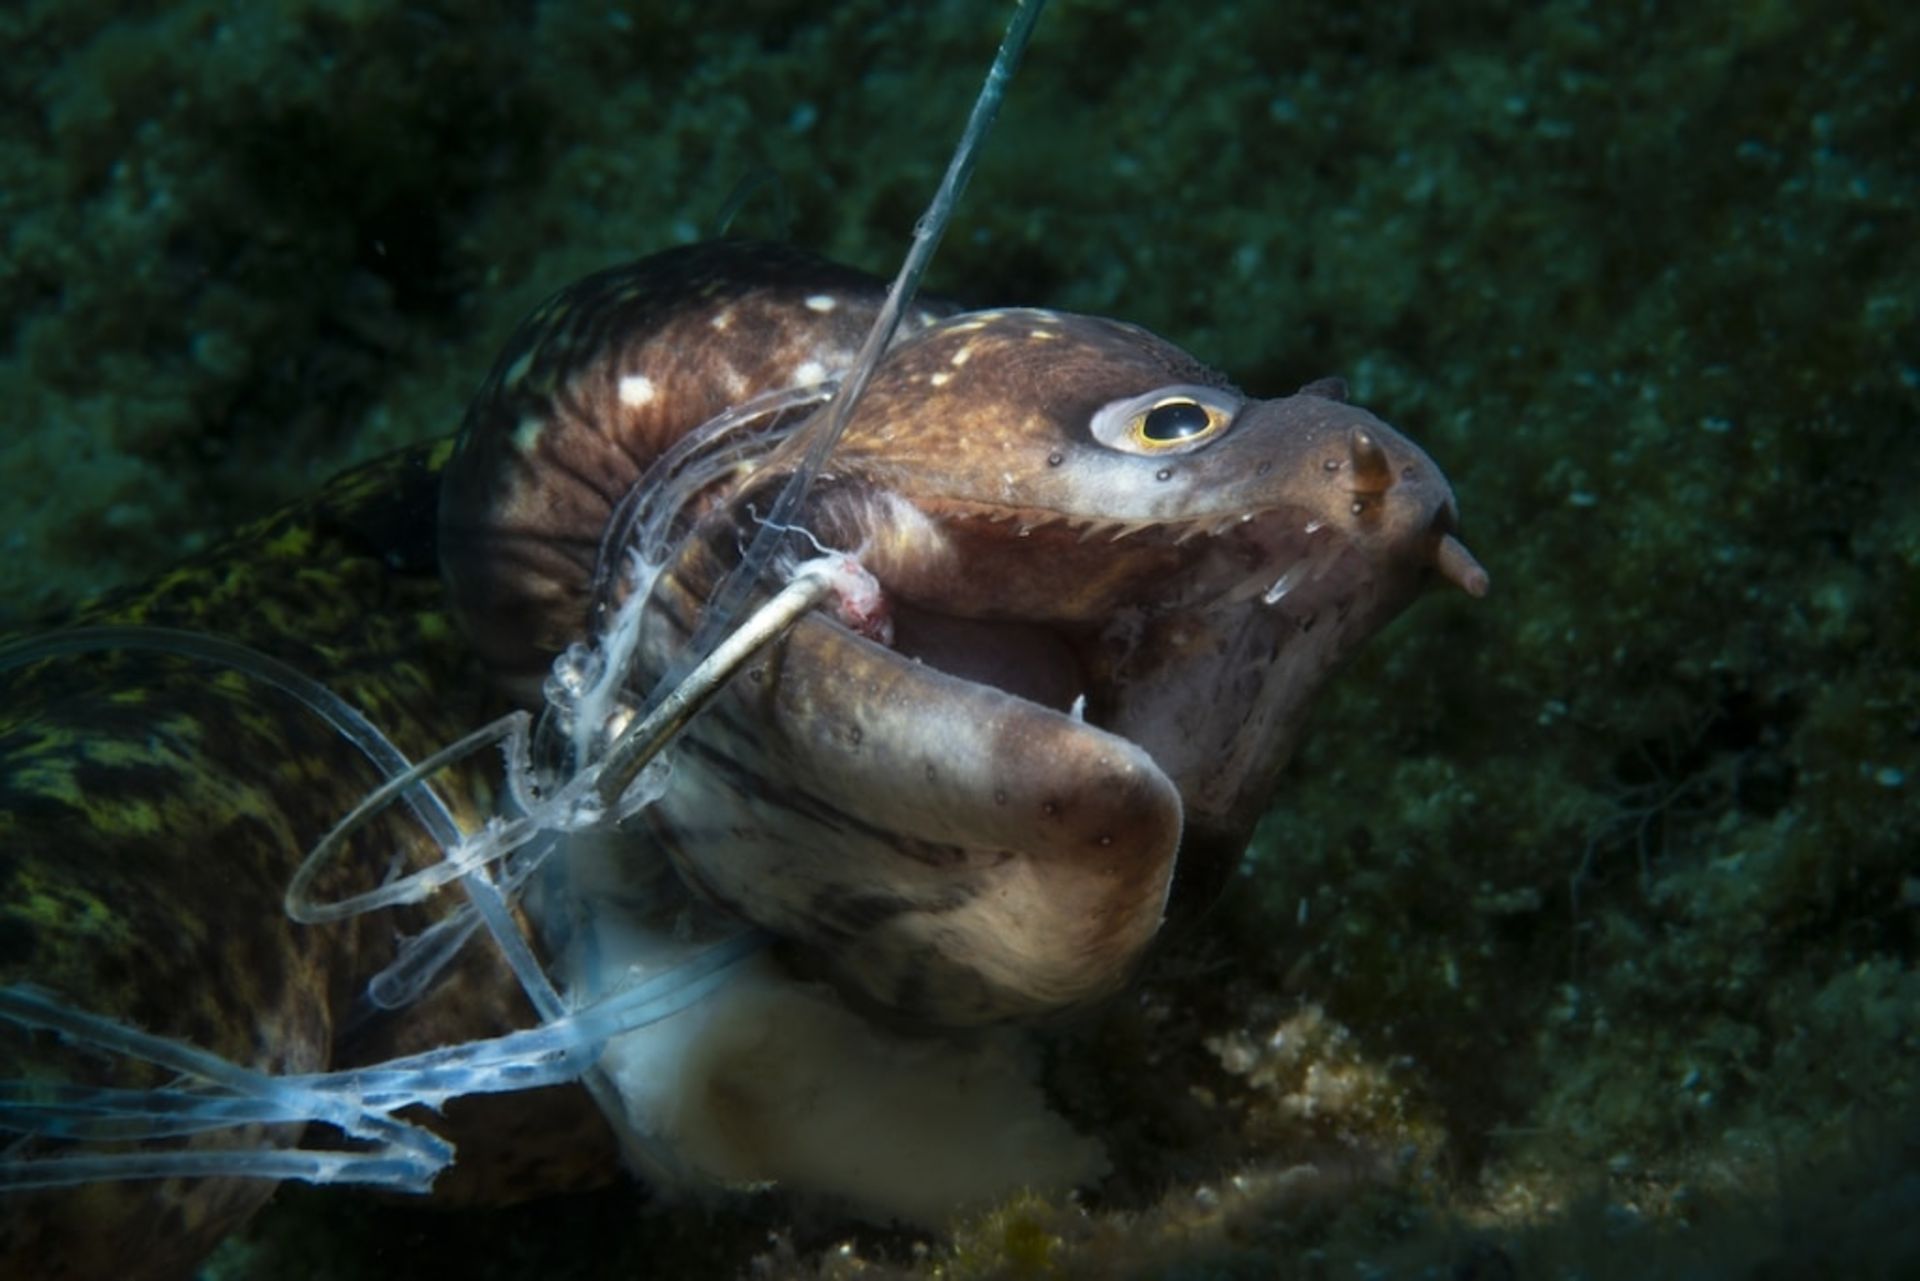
{"x": 404, "y": 781}
{"x": 564, "y": 1044}
{"x": 643, "y": 741}
{"x": 826, "y": 432}
{"x": 344, "y": 717}
{"x": 357, "y": 1101}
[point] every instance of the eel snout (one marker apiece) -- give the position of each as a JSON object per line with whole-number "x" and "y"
{"x": 1406, "y": 499}
{"x": 1350, "y": 479}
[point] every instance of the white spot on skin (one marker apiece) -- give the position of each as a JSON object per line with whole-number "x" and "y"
{"x": 527, "y": 435}
{"x": 809, "y": 372}
{"x": 1041, "y": 333}
{"x": 822, "y": 303}
{"x": 637, "y": 391}
{"x": 962, "y": 356}
{"x": 940, "y": 379}
{"x": 898, "y": 533}
{"x": 721, "y": 319}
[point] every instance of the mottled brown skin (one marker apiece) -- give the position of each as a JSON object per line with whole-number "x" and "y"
{"x": 152, "y": 811}
{"x": 522, "y": 515}
{"x": 928, "y": 820}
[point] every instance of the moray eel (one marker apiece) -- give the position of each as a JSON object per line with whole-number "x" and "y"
{"x": 1113, "y": 581}
{"x": 1108, "y": 580}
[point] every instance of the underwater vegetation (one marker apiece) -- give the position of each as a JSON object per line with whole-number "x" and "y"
{"x": 1580, "y": 936}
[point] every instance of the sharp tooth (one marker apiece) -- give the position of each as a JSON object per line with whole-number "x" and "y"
{"x": 1285, "y": 583}
{"x": 1125, "y": 528}
{"x": 1190, "y": 532}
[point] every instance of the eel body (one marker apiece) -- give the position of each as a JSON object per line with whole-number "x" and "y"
{"x": 1108, "y": 583}
{"x": 152, "y": 810}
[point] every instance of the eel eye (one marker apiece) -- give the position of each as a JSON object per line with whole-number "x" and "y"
{"x": 1170, "y": 420}
{"x": 1173, "y": 422}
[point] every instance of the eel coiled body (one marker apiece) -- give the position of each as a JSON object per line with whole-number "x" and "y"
{"x": 152, "y": 812}
{"x": 1108, "y": 582}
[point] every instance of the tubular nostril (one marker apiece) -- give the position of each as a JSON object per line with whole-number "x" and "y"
{"x": 1458, "y": 566}
{"x": 1371, "y": 472}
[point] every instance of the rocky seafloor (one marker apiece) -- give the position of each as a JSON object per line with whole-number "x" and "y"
{"x": 1580, "y": 940}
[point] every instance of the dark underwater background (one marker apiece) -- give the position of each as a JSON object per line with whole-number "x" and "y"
{"x": 1581, "y": 938}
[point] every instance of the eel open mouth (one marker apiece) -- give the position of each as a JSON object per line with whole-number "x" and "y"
{"x": 1200, "y": 640}
{"x": 1074, "y": 725}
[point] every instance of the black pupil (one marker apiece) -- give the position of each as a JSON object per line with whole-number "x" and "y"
{"x": 1177, "y": 420}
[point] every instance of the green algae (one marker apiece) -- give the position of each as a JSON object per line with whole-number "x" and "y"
{"x": 1598, "y": 896}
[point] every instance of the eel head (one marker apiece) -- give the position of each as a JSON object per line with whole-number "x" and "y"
{"x": 1113, "y": 583}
